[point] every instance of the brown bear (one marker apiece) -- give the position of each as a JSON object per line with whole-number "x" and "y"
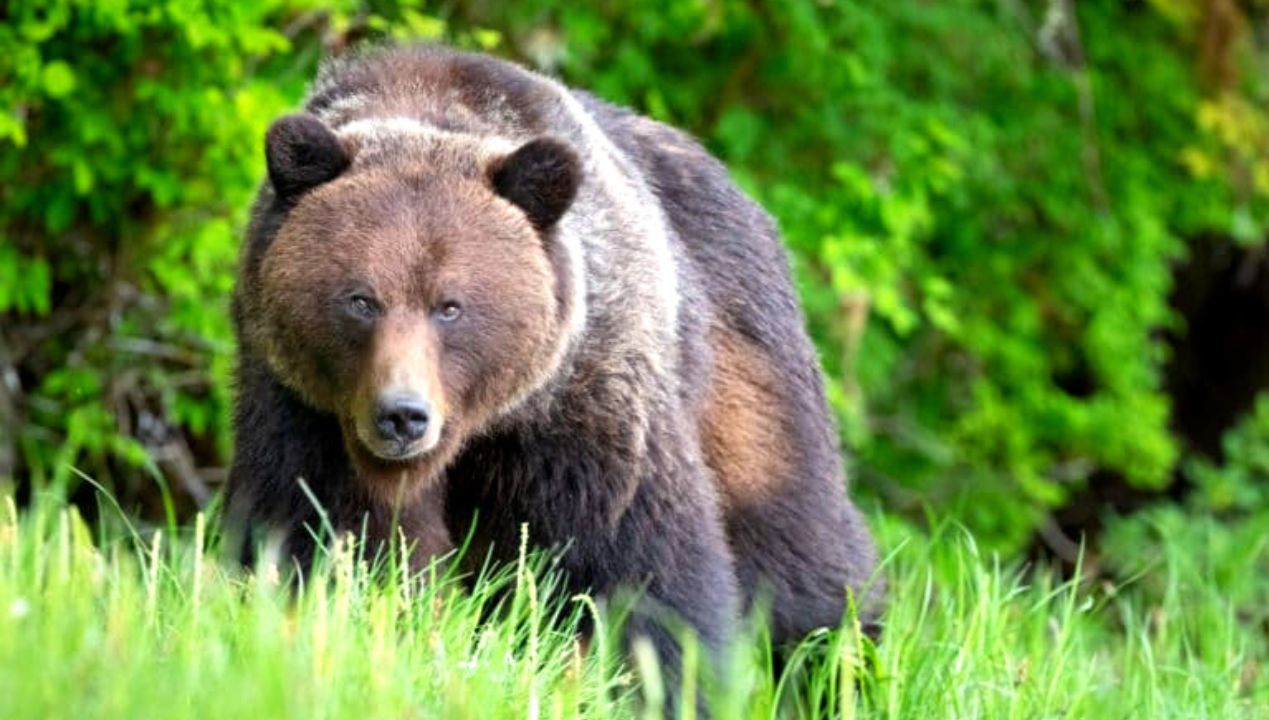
{"x": 469, "y": 293}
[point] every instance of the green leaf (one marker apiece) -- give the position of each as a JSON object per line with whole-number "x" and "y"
{"x": 58, "y": 78}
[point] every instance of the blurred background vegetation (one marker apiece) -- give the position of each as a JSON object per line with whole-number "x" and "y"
{"x": 1030, "y": 235}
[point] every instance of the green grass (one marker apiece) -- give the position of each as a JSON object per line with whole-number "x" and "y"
{"x": 120, "y": 628}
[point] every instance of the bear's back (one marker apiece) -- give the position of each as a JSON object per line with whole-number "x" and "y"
{"x": 766, "y": 430}
{"x": 734, "y": 252}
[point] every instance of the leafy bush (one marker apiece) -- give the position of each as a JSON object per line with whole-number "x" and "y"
{"x": 1241, "y": 481}
{"x": 133, "y": 134}
{"x": 984, "y": 201}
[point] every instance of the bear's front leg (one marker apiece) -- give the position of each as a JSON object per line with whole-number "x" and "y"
{"x": 668, "y": 549}
{"x": 674, "y": 549}
{"x": 643, "y": 522}
{"x": 279, "y": 441}
{"x": 662, "y": 544}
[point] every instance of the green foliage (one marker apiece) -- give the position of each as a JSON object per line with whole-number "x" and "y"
{"x": 1241, "y": 481}
{"x": 132, "y": 136}
{"x": 983, "y": 199}
{"x": 1225, "y": 557}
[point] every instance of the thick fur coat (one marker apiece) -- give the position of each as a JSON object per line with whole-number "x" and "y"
{"x": 630, "y": 376}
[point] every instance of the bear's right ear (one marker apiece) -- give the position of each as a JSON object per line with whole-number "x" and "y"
{"x": 302, "y": 153}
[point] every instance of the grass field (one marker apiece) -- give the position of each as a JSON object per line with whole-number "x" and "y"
{"x": 120, "y": 625}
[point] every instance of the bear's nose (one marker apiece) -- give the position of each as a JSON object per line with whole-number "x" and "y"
{"x": 401, "y": 418}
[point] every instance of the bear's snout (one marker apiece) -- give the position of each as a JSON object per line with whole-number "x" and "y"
{"x": 401, "y": 419}
{"x": 399, "y": 425}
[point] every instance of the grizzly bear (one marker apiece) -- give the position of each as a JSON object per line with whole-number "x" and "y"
{"x": 472, "y": 299}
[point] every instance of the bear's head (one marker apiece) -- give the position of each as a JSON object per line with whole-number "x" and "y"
{"x": 417, "y": 300}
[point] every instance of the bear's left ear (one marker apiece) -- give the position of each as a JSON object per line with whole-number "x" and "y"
{"x": 541, "y": 178}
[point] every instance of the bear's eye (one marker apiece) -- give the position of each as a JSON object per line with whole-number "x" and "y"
{"x": 449, "y": 311}
{"x": 362, "y": 307}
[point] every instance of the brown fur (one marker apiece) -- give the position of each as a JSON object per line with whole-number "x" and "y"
{"x": 415, "y": 518}
{"x": 404, "y": 353}
{"x": 743, "y": 433}
{"x": 630, "y": 380}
